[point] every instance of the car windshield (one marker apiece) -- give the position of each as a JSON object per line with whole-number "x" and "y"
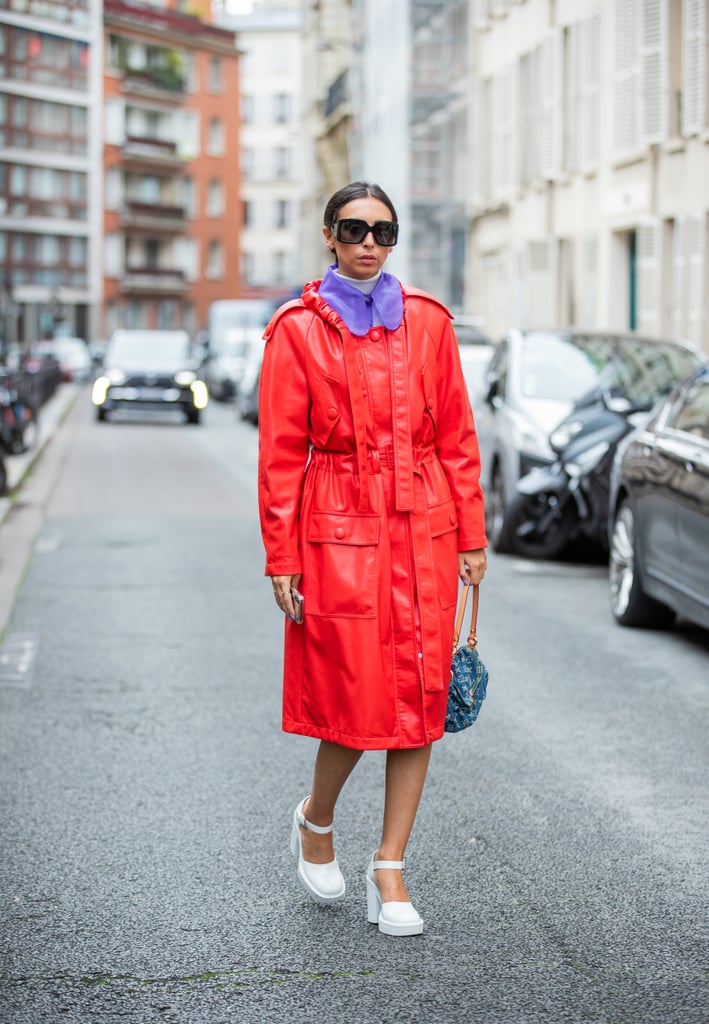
{"x": 156, "y": 347}
{"x": 559, "y": 366}
{"x": 576, "y": 367}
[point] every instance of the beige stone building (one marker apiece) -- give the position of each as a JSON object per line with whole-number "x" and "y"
{"x": 588, "y": 196}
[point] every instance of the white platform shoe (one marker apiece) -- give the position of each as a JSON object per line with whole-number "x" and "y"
{"x": 324, "y": 882}
{"x": 392, "y": 917}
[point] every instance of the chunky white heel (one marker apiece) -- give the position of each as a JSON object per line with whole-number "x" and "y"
{"x": 324, "y": 882}
{"x": 393, "y": 917}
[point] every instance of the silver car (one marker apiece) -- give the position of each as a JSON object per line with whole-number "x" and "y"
{"x": 534, "y": 380}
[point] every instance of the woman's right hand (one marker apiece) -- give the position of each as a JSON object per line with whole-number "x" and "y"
{"x": 281, "y": 591}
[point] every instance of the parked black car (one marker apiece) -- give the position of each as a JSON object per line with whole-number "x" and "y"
{"x": 659, "y": 522}
{"x": 150, "y": 370}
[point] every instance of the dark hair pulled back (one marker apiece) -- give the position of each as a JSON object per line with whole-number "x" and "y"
{"x": 355, "y": 190}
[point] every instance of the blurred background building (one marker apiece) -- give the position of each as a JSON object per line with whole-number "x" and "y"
{"x": 171, "y": 190}
{"x": 50, "y": 167}
{"x": 273, "y": 171}
{"x": 548, "y": 160}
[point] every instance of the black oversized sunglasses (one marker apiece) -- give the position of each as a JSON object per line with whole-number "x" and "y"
{"x": 352, "y": 231}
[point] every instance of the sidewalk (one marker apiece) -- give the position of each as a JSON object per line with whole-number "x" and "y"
{"x": 51, "y": 415}
{"x": 31, "y": 492}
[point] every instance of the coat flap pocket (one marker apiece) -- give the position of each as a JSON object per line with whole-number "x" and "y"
{"x": 442, "y": 518}
{"x": 340, "y": 528}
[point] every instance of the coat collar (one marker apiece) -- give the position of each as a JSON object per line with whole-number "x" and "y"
{"x": 358, "y": 310}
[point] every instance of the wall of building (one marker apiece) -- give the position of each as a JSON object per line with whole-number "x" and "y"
{"x": 50, "y": 68}
{"x": 589, "y": 160}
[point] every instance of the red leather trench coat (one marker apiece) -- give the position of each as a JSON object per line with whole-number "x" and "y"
{"x": 368, "y": 486}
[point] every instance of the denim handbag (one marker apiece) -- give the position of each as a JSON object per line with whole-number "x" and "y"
{"x": 468, "y": 684}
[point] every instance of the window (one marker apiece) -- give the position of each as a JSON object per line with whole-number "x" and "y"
{"x": 282, "y": 107}
{"x": 691, "y": 413}
{"x": 113, "y": 255}
{"x": 215, "y": 198}
{"x": 247, "y": 163}
{"x": 282, "y": 162}
{"x": 215, "y": 81}
{"x": 215, "y": 260}
{"x": 187, "y": 196}
{"x": 187, "y": 257}
{"x": 215, "y": 137}
{"x": 283, "y": 213}
{"x": 247, "y": 109}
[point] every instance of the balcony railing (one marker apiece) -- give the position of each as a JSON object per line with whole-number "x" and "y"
{"x": 144, "y": 149}
{"x": 151, "y": 81}
{"x": 158, "y": 217}
{"x": 153, "y": 281}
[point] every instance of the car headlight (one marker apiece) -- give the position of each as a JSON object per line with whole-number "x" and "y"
{"x": 185, "y": 377}
{"x": 115, "y": 376}
{"x": 200, "y": 395}
{"x": 99, "y": 390}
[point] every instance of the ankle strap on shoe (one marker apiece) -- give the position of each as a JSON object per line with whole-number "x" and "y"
{"x": 322, "y": 830}
{"x": 395, "y": 865}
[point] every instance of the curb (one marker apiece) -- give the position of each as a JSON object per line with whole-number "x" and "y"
{"x": 51, "y": 416}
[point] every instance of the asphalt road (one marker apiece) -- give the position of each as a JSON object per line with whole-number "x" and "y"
{"x": 559, "y": 857}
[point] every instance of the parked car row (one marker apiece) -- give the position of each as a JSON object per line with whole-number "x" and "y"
{"x": 561, "y": 414}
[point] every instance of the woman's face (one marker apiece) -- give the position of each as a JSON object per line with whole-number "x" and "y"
{"x": 365, "y": 258}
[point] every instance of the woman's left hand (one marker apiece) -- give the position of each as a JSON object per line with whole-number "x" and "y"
{"x": 472, "y": 565}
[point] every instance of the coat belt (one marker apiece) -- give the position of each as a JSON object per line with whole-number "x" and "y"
{"x": 377, "y": 458}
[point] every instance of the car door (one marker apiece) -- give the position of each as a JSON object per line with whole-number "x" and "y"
{"x": 686, "y": 443}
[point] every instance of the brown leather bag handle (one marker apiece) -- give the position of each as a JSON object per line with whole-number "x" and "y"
{"x": 472, "y": 636}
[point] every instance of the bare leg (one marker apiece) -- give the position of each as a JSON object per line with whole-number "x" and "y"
{"x": 333, "y": 765}
{"x": 405, "y": 777}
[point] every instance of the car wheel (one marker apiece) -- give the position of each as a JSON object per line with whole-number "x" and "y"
{"x": 495, "y": 512}
{"x": 192, "y": 415}
{"x": 3, "y": 476}
{"x": 630, "y": 605}
{"x": 101, "y": 414}
{"x": 520, "y": 536}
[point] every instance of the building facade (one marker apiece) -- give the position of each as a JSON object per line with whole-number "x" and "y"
{"x": 589, "y": 162}
{"x": 50, "y": 219}
{"x": 171, "y": 167}
{"x": 273, "y": 168}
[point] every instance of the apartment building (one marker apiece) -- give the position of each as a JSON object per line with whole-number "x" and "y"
{"x": 50, "y": 221}
{"x": 589, "y": 163}
{"x": 272, "y": 147}
{"x": 171, "y": 166}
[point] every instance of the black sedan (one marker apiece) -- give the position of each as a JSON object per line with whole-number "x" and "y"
{"x": 659, "y": 521}
{"x": 150, "y": 370}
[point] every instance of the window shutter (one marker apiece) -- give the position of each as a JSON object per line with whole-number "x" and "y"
{"x": 114, "y": 133}
{"x": 589, "y": 282}
{"x": 694, "y": 66}
{"x": 654, "y": 76}
{"x": 649, "y": 264}
{"x": 696, "y": 255}
{"x": 550, "y": 103}
{"x": 679, "y": 278}
{"x": 540, "y": 283}
{"x": 589, "y": 130}
{"x": 627, "y": 76}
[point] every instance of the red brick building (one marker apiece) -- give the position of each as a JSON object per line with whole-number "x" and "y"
{"x": 171, "y": 167}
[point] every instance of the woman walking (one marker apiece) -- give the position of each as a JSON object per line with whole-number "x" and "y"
{"x": 371, "y": 510}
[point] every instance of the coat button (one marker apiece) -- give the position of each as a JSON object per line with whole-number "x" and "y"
{"x": 451, "y": 519}
{"x": 375, "y": 335}
{"x": 340, "y": 532}
{"x": 332, "y": 413}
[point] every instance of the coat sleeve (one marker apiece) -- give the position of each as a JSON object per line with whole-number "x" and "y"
{"x": 457, "y": 443}
{"x": 284, "y": 403}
